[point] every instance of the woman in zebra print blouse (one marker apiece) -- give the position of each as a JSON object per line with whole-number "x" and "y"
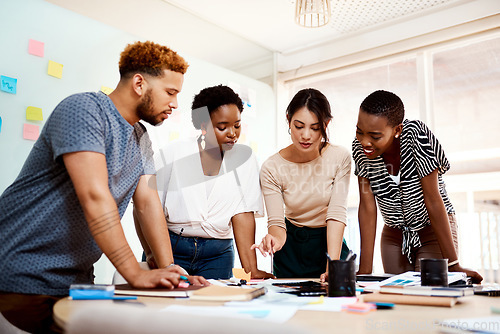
{"x": 400, "y": 164}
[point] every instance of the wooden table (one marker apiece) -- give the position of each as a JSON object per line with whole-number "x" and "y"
{"x": 403, "y": 318}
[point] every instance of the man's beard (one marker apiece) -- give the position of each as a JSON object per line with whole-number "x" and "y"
{"x": 145, "y": 109}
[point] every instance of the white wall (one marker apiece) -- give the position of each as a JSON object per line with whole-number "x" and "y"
{"x": 89, "y": 51}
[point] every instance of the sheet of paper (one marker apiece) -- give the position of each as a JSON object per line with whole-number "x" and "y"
{"x": 36, "y": 48}
{"x": 30, "y": 131}
{"x": 273, "y": 313}
{"x": 330, "y": 304}
{"x": 8, "y": 84}
{"x": 55, "y": 69}
{"x": 240, "y": 273}
{"x": 34, "y": 114}
{"x": 410, "y": 278}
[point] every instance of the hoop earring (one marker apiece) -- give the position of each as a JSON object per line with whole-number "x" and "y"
{"x": 289, "y": 131}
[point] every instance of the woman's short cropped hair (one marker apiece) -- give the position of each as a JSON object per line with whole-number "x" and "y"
{"x": 385, "y": 104}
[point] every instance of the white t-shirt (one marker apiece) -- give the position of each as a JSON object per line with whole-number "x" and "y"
{"x": 183, "y": 190}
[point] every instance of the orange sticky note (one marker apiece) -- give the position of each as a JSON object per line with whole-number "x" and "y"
{"x": 34, "y": 114}
{"x": 35, "y": 48}
{"x": 55, "y": 69}
{"x": 30, "y": 131}
{"x": 240, "y": 273}
{"x": 106, "y": 90}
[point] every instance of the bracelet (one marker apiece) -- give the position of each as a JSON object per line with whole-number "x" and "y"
{"x": 170, "y": 265}
{"x": 452, "y": 263}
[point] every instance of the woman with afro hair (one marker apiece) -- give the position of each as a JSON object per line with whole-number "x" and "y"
{"x": 209, "y": 188}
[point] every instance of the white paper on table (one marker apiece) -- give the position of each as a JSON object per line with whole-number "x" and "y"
{"x": 272, "y": 313}
{"x": 410, "y": 278}
{"x": 331, "y": 304}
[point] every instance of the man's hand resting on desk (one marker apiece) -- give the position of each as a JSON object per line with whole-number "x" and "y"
{"x": 163, "y": 278}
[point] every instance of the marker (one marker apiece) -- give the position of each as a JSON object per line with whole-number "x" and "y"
{"x": 184, "y": 278}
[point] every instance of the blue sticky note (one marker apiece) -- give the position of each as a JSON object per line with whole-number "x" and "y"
{"x": 8, "y": 84}
{"x": 0, "y": 124}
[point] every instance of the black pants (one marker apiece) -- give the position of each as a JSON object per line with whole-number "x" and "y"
{"x": 304, "y": 253}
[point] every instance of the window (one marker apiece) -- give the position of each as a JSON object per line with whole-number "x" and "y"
{"x": 464, "y": 91}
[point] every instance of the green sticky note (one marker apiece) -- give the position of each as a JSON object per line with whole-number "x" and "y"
{"x": 34, "y": 114}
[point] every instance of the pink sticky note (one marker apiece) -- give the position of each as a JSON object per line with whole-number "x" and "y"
{"x": 30, "y": 131}
{"x": 35, "y": 48}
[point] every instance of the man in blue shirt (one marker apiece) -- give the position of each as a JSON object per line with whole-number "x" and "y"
{"x": 64, "y": 209}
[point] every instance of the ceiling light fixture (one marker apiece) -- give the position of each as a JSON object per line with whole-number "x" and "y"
{"x": 312, "y": 13}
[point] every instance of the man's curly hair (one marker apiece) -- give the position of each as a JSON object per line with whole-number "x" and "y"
{"x": 212, "y": 98}
{"x": 150, "y": 58}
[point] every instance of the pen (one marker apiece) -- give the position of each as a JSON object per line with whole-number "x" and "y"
{"x": 272, "y": 262}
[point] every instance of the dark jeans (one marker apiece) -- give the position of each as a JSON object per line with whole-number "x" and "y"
{"x": 304, "y": 253}
{"x": 31, "y": 313}
{"x": 210, "y": 258}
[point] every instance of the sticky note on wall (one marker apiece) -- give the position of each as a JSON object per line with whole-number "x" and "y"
{"x": 34, "y": 114}
{"x": 8, "y": 84}
{"x": 0, "y": 124}
{"x": 35, "y": 48}
{"x": 106, "y": 90}
{"x": 30, "y": 131}
{"x": 55, "y": 69}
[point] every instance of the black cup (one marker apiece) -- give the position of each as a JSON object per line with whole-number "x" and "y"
{"x": 434, "y": 272}
{"x": 341, "y": 278}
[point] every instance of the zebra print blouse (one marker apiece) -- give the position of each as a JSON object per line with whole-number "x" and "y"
{"x": 402, "y": 206}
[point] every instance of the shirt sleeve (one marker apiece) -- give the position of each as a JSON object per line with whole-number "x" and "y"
{"x": 337, "y": 208}
{"x": 428, "y": 153}
{"x": 273, "y": 195}
{"x": 76, "y": 124}
{"x": 359, "y": 159}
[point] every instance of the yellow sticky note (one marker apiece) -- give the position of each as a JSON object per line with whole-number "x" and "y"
{"x": 254, "y": 146}
{"x": 34, "y": 114}
{"x": 55, "y": 69}
{"x": 320, "y": 300}
{"x": 174, "y": 135}
{"x": 106, "y": 90}
{"x": 240, "y": 273}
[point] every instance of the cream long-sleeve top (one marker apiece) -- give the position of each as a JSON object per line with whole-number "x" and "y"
{"x": 309, "y": 193}
{"x": 203, "y": 206}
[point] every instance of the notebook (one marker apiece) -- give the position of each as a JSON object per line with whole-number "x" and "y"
{"x": 126, "y": 289}
{"x": 227, "y": 293}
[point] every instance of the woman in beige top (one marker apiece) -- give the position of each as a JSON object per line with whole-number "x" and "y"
{"x": 305, "y": 188}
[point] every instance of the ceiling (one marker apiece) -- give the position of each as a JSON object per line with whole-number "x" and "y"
{"x": 254, "y": 37}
